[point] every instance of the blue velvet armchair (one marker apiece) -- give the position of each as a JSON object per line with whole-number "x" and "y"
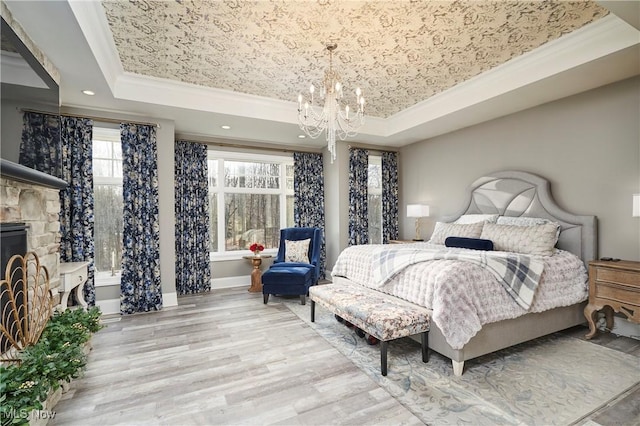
{"x": 293, "y": 278}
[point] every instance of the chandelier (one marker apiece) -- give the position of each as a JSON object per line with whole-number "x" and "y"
{"x": 336, "y": 117}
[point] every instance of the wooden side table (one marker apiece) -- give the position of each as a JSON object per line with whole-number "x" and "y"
{"x": 613, "y": 287}
{"x": 256, "y": 274}
{"x": 73, "y": 275}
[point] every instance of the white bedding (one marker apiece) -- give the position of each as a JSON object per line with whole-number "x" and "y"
{"x": 463, "y": 296}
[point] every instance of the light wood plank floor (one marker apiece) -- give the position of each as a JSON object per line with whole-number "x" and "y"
{"x": 225, "y": 358}
{"x": 222, "y": 358}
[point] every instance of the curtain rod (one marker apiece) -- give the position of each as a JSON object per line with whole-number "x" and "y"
{"x": 91, "y": 117}
{"x": 223, "y": 144}
{"x": 261, "y": 148}
{"x": 374, "y": 150}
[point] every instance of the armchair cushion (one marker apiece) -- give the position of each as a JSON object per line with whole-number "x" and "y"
{"x": 291, "y": 264}
{"x": 297, "y": 251}
{"x": 314, "y": 248}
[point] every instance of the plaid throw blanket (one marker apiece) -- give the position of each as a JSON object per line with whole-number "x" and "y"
{"x": 519, "y": 274}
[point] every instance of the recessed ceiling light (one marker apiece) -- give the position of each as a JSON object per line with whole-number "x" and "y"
{"x": 226, "y": 127}
{"x": 89, "y": 92}
{"x": 301, "y": 136}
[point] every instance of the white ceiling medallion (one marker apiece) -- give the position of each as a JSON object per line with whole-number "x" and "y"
{"x": 335, "y": 117}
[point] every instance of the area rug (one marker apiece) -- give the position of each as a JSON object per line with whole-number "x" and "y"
{"x": 553, "y": 380}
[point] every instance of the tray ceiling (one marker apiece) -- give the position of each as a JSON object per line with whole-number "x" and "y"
{"x": 399, "y": 52}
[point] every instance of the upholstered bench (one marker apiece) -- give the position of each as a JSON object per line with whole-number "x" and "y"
{"x": 383, "y": 316}
{"x": 287, "y": 280}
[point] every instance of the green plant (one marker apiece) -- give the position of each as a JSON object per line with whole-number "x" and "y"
{"x": 57, "y": 356}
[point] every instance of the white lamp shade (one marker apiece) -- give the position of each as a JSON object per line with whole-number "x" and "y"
{"x": 636, "y": 205}
{"x": 417, "y": 210}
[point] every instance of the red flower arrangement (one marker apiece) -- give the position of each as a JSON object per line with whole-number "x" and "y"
{"x": 256, "y": 248}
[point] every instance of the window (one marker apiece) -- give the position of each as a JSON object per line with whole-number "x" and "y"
{"x": 375, "y": 199}
{"x": 108, "y": 204}
{"x": 249, "y": 201}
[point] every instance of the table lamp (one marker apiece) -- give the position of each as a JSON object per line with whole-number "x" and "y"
{"x": 417, "y": 211}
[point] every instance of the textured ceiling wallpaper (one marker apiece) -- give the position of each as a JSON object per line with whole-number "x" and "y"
{"x": 398, "y": 52}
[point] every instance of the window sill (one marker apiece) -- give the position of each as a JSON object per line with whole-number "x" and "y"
{"x": 237, "y": 255}
{"x": 105, "y": 279}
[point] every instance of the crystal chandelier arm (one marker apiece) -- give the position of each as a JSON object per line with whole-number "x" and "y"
{"x": 336, "y": 117}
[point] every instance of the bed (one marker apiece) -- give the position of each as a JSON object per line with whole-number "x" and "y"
{"x": 508, "y": 194}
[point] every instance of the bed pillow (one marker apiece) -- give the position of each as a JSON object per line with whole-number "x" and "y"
{"x": 527, "y": 221}
{"x": 443, "y": 230}
{"x": 536, "y": 239}
{"x": 473, "y": 218}
{"x": 297, "y": 251}
{"x": 469, "y": 243}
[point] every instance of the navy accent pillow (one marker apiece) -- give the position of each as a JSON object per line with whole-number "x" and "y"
{"x": 469, "y": 243}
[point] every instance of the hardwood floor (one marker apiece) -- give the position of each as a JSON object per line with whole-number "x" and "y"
{"x": 222, "y": 358}
{"x": 226, "y": 358}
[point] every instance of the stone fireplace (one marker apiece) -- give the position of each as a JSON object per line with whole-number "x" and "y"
{"x": 33, "y": 198}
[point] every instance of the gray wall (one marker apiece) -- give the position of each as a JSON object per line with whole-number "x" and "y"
{"x": 11, "y": 129}
{"x": 586, "y": 145}
{"x": 336, "y": 203}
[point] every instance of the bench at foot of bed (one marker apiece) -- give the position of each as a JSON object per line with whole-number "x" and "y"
{"x": 382, "y": 316}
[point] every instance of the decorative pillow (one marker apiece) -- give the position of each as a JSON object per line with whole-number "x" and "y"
{"x": 474, "y": 218}
{"x": 527, "y": 221}
{"x": 297, "y": 251}
{"x": 443, "y": 230}
{"x": 536, "y": 239}
{"x": 470, "y": 243}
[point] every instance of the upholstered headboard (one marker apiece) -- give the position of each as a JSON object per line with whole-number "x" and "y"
{"x": 513, "y": 193}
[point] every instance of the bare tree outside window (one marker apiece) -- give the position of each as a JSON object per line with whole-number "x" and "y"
{"x": 375, "y": 199}
{"x": 253, "y": 195}
{"x": 108, "y": 203}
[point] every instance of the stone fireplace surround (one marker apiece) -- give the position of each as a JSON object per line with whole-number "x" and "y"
{"x": 32, "y": 197}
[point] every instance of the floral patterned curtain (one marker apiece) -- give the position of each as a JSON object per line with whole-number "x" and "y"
{"x": 358, "y": 196}
{"x": 389, "y": 196}
{"x": 40, "y": 148}
{"x": 193, "y": 269}
{"x": 140, "y": 287}
{"x": 76, "y": 200}
{"x": 308, "y": 201}
{"x": 62, "y": 147}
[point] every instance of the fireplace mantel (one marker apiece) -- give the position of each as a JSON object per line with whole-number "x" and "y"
{"x": 15, "y": 171}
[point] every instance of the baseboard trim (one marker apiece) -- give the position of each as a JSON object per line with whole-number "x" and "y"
{"x": 624, "y": 327}
{"x": 112, "y": 306}
{"x": 169, "y": 299}
{"x": 230, "y": 282}
{"x": 109, "y": 306}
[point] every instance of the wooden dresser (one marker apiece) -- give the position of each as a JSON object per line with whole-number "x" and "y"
{"x": 613, "y": 287}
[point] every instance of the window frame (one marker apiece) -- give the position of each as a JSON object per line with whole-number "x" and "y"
{"x": 220, "y": 190}
{"x": 107, "y": 134}
{"x": 376, "y": 160}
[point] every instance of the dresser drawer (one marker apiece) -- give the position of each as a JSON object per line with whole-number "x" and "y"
{"x": 620, "y": 277}
{"x": 72, "y": 277}
{"x": 618, "y": 293}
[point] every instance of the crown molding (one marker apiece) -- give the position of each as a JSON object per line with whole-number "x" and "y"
{"x": 93, "y": 23}
{"x": 603, "y": 37}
